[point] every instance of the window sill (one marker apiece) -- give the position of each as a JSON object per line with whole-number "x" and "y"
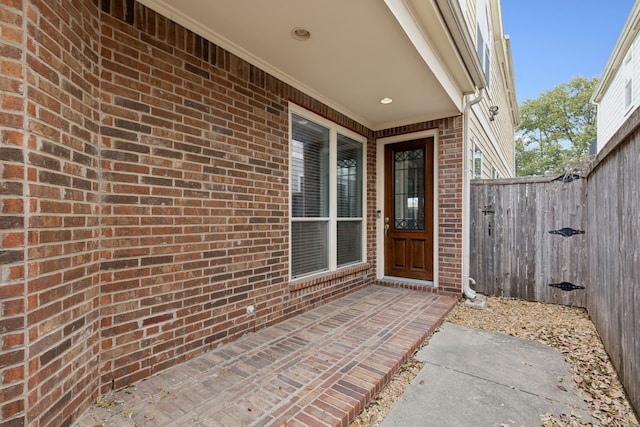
{"x": 327, "y": 276}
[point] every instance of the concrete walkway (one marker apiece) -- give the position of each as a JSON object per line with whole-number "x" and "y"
{"x": 316, "y": 369}
{"x": 474, "y": 378}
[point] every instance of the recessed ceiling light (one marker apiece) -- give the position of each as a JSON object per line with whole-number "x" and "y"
{"x": 386, "y": 101}
{"x": 300, "y": 33}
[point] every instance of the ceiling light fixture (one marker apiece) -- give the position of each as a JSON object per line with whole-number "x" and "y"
{"x": 300, "y": 33}
{"x": 386, "y": 101}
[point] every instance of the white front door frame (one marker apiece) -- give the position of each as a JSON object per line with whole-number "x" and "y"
{"x": 380, "y": 168}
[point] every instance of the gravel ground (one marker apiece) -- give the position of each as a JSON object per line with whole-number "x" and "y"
{"x": 567, "y": 329}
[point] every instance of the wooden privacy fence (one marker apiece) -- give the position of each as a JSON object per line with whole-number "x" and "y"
{"x": 527, "y": 238}
{"x": 570, "y": 241}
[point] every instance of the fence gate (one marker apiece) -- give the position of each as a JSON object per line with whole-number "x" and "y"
{"x": 528, "y": 237}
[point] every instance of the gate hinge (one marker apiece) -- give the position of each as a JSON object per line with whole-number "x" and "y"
{"x": 566, "y": 232}
{"x": 566, "y": 286}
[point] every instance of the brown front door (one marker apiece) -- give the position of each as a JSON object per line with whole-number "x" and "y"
{"x": 408, "y": 224}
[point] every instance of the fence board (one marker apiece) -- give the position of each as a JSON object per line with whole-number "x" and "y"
{"x": 613, "y": 258}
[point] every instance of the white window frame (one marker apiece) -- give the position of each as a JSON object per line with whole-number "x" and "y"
{"x": 477, "y": 155}
{"x": 627, "y": 69}
{"x": 483, "y": 38}
{"x": 628, "y": 94}
{"x": 495, "y": 173}
{"x": 334, "y": 130}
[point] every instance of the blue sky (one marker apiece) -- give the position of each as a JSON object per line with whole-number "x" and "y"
{"x": 553, "y": 41}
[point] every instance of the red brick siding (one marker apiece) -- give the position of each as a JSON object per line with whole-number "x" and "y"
{"x": 450, "y": 207}
{"x": 195, "y": 199}
{"x": 372, "y": 207}
{"x": 12, "y": 216}
{"x": 151, "y": 168}
{"x": 62, "y": 331}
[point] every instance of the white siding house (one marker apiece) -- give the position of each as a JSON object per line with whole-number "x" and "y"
{"x": 492, "y": 121}
{"x": 618, "y": 92}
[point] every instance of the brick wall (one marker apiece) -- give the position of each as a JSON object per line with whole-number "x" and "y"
{"x": 195, "y": 197}
{"x": 450, "y": 207}
{"x": 61, "y": 118}
{"x": 12, "y": 219}
{"x": 145, "y": 202}
{"x": 49, "y": 219}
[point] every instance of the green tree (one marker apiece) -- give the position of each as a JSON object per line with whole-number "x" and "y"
{"x": 556, "y": 128}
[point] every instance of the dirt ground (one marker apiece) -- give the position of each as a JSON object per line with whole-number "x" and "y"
{"x": 567, "y": 329}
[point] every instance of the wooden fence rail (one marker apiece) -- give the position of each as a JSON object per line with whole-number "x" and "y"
{"x": 575, "y": 243}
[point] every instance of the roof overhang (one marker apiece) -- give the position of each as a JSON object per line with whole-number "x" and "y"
{"x": 417, "y": 52}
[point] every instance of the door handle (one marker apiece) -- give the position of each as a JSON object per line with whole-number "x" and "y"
{"x": 386, "y": 225}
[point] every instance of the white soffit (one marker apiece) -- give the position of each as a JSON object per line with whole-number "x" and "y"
{"x": 359, "y": 52}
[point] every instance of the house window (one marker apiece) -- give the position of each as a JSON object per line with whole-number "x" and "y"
{"x": 327, "y": 196}
{"x": 628, "y": 93}
{"x": 477, "y": 163}
{"x": 627, "y": 71}
{"x": 483, "y": 38}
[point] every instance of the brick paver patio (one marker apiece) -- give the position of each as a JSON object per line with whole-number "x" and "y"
{"x": 317, "y": 369}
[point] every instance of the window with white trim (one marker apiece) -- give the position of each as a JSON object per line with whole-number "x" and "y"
{"x": 495, "y": 173}
{"x": 628, "y": 93}
{"x": 327, "y": 195}
{"x": 628, "y": 81}
{"x": 477, "y": 163}
{"x": 483, "y": 38}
